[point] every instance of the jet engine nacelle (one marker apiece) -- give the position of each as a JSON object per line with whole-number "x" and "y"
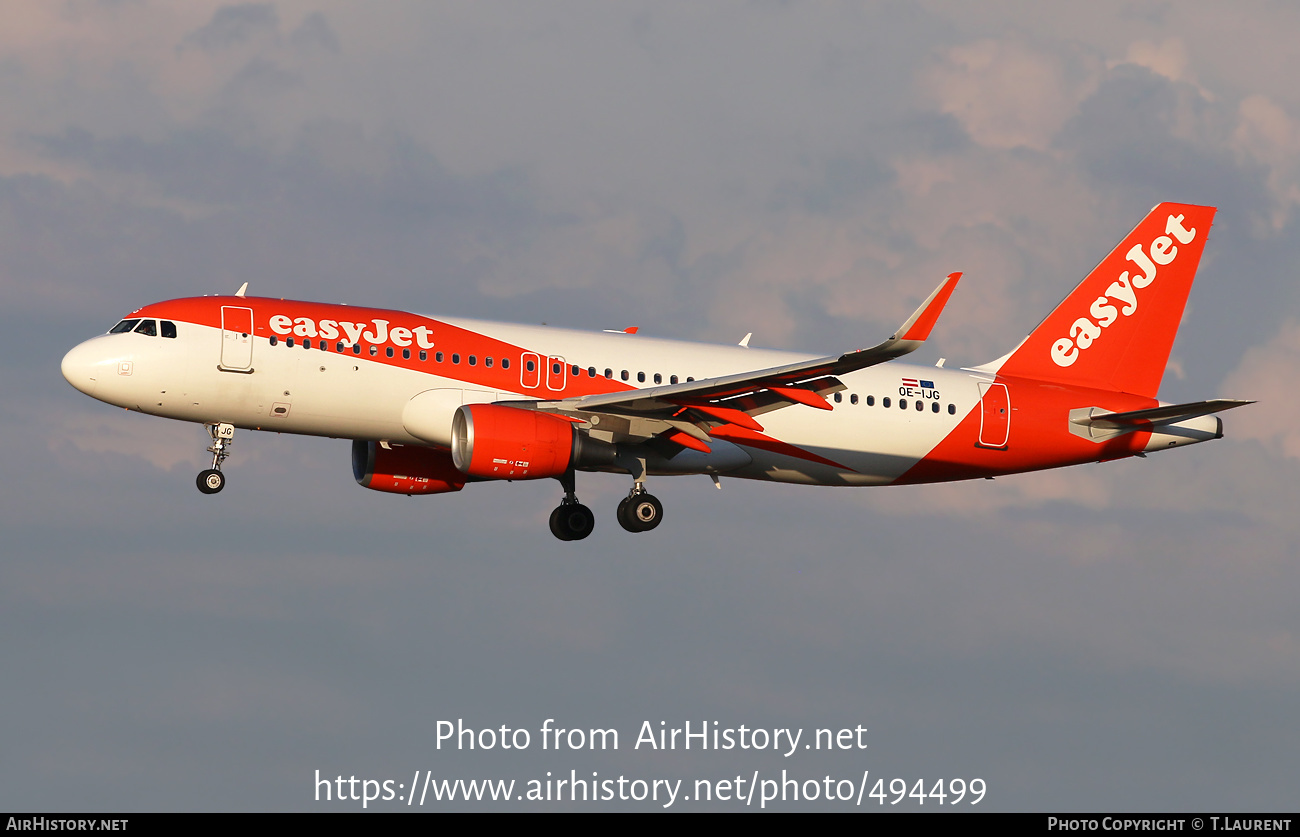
{"x": 506, "y": 443}
{"x": 404, "y": 469}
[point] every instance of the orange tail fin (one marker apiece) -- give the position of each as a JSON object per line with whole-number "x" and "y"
{"x": 1115, "y": 330}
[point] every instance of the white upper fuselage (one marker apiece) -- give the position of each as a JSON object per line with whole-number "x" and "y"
{"x": 321, "y": 391}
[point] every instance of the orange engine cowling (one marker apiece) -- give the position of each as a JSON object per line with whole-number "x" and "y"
{"x": 507, "y": 443}
{"x": 404, "y": 469}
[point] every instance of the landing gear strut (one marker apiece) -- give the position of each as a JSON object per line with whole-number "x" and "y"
{"x": 571, "y": 520}
{"x": 212, "y": 480}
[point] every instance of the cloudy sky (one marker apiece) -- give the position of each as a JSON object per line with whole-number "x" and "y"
{"x": 1121, "y": 636}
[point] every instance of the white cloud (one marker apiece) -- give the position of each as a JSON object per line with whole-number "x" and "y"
{"x": 1266, "y": 372}
{"x": 1007, "y": 94}
{"x": 163, "y": 444}
{"x": 1267, "y": 135}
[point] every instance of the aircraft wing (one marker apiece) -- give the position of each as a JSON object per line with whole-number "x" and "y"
{"x": 735, "y": 399}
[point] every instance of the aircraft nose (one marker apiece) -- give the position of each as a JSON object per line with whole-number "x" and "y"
{"x": 79, "y": 367}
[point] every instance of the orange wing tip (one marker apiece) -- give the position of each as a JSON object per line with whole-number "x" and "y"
{"x": 802, "y": 396}
{"x": 918, "y": 326}
{"x": 687, "y": 441}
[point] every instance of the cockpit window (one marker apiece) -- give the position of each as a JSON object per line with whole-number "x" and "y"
{"x": 123, "y": 327}
{"x": 168, "y": 328}
{"x": 147, "y": 327}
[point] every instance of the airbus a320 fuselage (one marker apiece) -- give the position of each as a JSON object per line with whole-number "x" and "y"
{"x": 435, "y": 403}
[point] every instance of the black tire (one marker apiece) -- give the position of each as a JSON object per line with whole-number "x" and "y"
{"x": 640, "y": 512}
{"x": 211, "y": 481}
{"x": 572, "y": 522}
{"x": 624, "y": 519}
{"x": 558, "y": 529}
{"x": 580, "y": 521}
{"x": 646, "y": 510}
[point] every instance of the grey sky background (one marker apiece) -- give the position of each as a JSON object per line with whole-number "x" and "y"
{"x": 1120, "y": 636}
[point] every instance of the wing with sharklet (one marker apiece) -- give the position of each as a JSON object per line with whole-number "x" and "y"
{"x": 686, "y": 412}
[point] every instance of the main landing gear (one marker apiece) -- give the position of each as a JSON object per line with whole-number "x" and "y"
{"x": 639, "y": 511}
{"x": 571, "y": 520}
{"x": 212, "y": 480}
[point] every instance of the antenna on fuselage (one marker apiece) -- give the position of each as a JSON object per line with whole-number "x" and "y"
{"x": 241, "y": 290}
{"x": 745, "y": 340}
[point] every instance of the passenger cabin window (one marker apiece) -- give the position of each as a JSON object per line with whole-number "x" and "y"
{"x": 505, "y": 363}
{"x": 275, "y": 340}
{"x": 123, "y": 327}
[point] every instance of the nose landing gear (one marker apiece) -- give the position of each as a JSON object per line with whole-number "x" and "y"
{"x": 212, "y": 480}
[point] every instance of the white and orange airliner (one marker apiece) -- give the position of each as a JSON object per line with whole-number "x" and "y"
{"x": 434, "y": 403}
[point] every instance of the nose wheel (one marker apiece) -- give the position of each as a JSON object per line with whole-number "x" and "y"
{"x": 212, "y": 480}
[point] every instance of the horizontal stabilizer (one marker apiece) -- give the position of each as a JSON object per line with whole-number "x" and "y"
{"x": 1154, "y": 416}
